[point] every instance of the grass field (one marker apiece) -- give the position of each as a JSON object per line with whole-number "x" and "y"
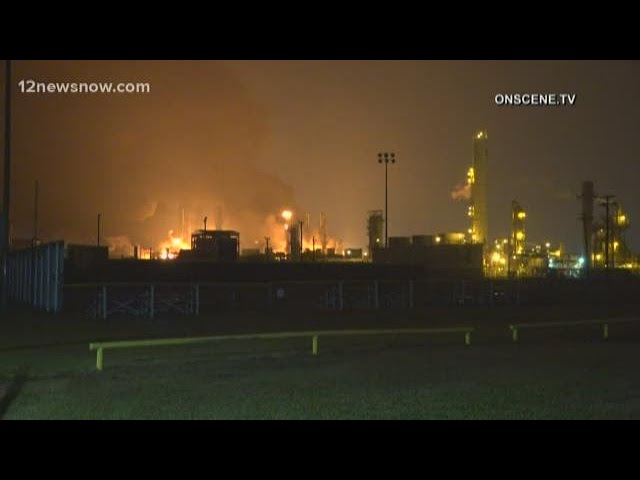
{"x": 559, "y": 374}
{"x": 377, "y": 379}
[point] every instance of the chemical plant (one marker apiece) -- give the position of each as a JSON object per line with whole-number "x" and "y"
{"x": 301, "y": 265}
{"x": 297, "y": 238}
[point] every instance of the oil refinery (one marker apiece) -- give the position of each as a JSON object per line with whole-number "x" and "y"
{"x": 298, "y": 237}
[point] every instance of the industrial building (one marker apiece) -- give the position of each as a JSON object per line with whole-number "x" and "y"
{"x": 444, "y": 255}
{"x": 215, "y": 245}
{"x": 477, "y": 179}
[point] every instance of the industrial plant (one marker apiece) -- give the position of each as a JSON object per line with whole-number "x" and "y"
{"x": 298, "y": 247}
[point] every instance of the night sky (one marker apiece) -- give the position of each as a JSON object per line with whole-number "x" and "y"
{"x": 253, "y": 137}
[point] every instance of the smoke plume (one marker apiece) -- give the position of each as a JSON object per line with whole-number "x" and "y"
{"x": 462, "y": 191}
{"x": 194, "y": 143}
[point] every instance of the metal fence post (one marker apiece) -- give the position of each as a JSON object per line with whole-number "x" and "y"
{"x": 47, "y": 273}
{"x": 314, "y": 345}
{"x": 55, "y": 277}
{"x": 99, "y": 358}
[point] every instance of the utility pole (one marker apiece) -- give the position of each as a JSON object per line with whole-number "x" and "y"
{"x": 7, "y": 183}
{"x": 266, "y": 249}
{"x": 99, "y": 222}
{"x": 386, "y": 158}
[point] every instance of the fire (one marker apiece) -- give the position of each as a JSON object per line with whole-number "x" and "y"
{"x": 287, "y": 215}
{"x": 170, "y": 248}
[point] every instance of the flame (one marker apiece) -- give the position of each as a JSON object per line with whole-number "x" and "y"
{"x": 170, "y": 248}
{"x": 277, "y": 229}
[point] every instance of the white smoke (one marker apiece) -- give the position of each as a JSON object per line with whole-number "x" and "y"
{"x": 462, "y": 191}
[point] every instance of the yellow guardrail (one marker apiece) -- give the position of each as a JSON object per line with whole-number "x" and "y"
{"x": 100, "y": 347}
{"x": 605, "y": 325}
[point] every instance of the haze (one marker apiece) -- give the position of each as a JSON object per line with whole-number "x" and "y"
{"x": 254, "y": 137}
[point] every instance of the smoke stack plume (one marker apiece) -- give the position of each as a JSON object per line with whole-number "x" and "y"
{"x": 462, "y": 191}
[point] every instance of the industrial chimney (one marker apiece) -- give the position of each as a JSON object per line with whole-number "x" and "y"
{"x": 480, "y": 221}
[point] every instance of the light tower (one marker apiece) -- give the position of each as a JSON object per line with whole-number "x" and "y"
{"x": 386, "y": 158}
{"x": 478, "y": 182}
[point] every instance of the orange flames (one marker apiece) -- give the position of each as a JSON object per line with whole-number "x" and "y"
{"x": 280, "y": 236}
{"x": 276, "y": 228}
{"x": 170, "y": 248}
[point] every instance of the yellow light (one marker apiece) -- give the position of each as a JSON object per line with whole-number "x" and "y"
{"x": 615, "y": 245}
{"x": 519, "y": 235}
{"x": 438, "y": 239}
{"x": 598, "y": 256}
{"x": 479, "y": 135}
{"x": 522, "y": 215}
{"x": 287, "y": 215}
{"x": 547, "y": 245}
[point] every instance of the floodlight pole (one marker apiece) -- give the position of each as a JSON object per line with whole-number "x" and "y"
{"x": 7, "y": 184}
{"x": 386, "y": 158}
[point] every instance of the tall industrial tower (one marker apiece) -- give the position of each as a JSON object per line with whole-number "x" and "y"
{"x": 587, "y": 197}
{"x": 478, "y": 182}
{"x": 323, "y": 232}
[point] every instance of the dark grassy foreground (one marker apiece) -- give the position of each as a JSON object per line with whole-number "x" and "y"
{"x": 574, "y": 378}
